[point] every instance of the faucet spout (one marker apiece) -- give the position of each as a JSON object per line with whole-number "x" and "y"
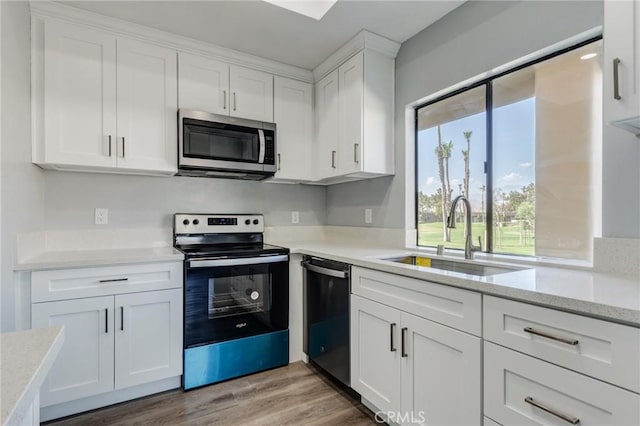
{"x": 469, "y": 248}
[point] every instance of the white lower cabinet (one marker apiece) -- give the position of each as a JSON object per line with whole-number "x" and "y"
{"x": 85, "y": 365}
{"x": 130, "y": 337}
{"x": 522, "y": 390}
{"x": 148, "y": 337}
{"x": 414, "y": 370}
{"x": 375, "y": 356}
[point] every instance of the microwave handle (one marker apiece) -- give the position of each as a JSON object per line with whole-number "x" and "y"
{"x": 262, "y": 146}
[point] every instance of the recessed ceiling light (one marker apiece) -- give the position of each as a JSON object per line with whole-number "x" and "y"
{"x": 588, "y": 56}
{"x": 315, "y": 9}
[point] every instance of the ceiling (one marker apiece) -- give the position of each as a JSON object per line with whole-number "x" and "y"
{"x": 266, "y": 30}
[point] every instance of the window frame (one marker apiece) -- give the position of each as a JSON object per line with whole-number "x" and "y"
{"x": 488, "y": 83}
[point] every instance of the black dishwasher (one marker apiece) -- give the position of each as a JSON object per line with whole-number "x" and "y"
{"x": 326, "y": 316}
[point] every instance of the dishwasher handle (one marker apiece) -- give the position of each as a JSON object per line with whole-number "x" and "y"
{"x": 325, "y": 271}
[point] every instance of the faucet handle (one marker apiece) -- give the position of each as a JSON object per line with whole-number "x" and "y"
{"x": 440, "y": 249}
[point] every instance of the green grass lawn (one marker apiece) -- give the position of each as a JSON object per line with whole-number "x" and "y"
{"x": 506, "y": 238}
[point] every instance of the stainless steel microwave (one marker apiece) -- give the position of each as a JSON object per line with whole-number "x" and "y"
{"x": 213, "y": 145}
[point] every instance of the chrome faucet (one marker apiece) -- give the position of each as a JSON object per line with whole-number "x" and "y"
{"x": 469, "y": 248}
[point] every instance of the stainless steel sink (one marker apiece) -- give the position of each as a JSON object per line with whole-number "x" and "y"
{"x": 478, "y": 269}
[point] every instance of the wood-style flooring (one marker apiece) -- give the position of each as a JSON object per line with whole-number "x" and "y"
{"x": 293, "y": 395}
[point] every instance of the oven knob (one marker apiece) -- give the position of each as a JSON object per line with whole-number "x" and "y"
{"x": 185, "y": 222}
{"x": 247, "y": 222}
{"x": 256, "y": 221}
{"x": 196, "y": 221}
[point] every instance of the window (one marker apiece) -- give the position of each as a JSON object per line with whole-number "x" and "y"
{"x": 524, "y": 148}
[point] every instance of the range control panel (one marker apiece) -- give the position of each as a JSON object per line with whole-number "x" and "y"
{"x": 217, "y": 223}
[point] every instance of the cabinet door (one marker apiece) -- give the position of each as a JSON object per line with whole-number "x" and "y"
{"x": 351, "y": 84}
{"x": 441, "y": 373}
{"x": 147, "y": 107}
{"x": 80, "y": 96}
{"x": 148, "y": 337}
{"x": 251, "y": 94}
{"x": 621, "y": 22}
{"x": 326, "y": 149}
{"x": 84, "y": 366}
{"x": 203, "y": 84}
{"x": 293, "y": 114}
{"x": 375, "y": 353}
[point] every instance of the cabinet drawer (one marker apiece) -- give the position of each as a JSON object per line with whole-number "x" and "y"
{"x": 105, "y": 280}
{"x": 511, "y": 379}
{"x": 600, "y": 349}
{"x": 460, "y": 309}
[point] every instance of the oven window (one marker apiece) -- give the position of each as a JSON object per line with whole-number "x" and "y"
{"x": 247, "y": 291}
{"x": 231, "y": 302}
{"x": 229, "y": 143}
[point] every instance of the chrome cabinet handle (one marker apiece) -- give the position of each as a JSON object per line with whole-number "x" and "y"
{"x": 403, "y": 351}
{"x": 224, "y": 99}
{"x": 333, "y": 159}
{"x": 121, "y": 318}
{"x": 355, "y": 153}
{"x": 392, "y": 329}
{"x": 109, "y": 145}
{"x": 113, "y": 280}
{"x": 106, "y": 321}
{"x": 568, "y": 419}
{"x": 279, "y": 161}
{"x": 235, "y": 102}
{"x": 616, "y": 79}
{"x": 571, "y": 342}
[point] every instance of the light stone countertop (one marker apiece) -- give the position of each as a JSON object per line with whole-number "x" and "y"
{"x": 603, "y": 295}
{"x": 84, "y": 258}
{"x": 27, "y": 357}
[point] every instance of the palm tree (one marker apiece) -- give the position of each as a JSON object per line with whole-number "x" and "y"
{"x": 443, "y": 152}
{"x": 465, "y": 154}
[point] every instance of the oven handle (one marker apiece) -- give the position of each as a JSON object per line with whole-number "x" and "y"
{"x": 238, "y": 262}
{"x": 263, "y": 146}
{"x": 325, "y": 271}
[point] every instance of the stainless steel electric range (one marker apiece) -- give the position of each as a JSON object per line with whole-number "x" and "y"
{"x": 236, "y": 297}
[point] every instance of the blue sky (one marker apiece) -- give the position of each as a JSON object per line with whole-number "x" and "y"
{"x": 514, "y": 150}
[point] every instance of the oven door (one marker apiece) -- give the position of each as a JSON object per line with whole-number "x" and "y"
{"x": 228, "y": 299}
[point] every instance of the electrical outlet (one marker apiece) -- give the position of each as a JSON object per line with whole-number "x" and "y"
{"x": 295, "y": 217}
{"x": 101, "y": 216}
{"x": 368, "y": 216}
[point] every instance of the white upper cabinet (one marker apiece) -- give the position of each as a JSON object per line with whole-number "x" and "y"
{"x": 147, "y": 107}
{"x": 293, "y": 115}
{"x": 351, "y": 88}
{"x": 80, "y": 102}
{"x": 251, "y": 94}
{"x": 209, "y": 85}
{"x": 360, "y": 142}
{"x": 203, "y": 84}
{"x": 327, "y": 123}
{"x": 102, "y": 103}
{"x": 622, "y": 61}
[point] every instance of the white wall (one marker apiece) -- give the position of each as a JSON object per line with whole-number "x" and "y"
{"x": 22, "y": 183}
{"x": 149, "y": 202}
{"x": 475, "y": 38}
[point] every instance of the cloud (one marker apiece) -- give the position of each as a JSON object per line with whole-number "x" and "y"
{"x": 430, "y": 181}
{"x": 525, "y": 165}
{"x": 511, "y": 177}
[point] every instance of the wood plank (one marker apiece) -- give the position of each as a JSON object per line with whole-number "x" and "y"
{"x": 293, "y": 395}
